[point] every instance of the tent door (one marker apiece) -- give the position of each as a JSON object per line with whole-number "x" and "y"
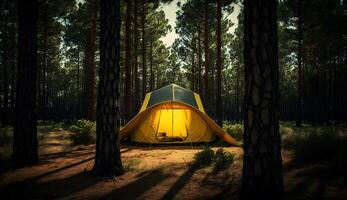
{"x": 171, "y": 125}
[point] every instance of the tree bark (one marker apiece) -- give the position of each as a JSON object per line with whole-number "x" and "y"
{"x": 127, "y": 81}
{"x": 207, "y": 61}
{"x": 5, "y": 117}
{"x": 218, "y": 103}
{"x": 89, "y": 63}
{"x": 151, "y": 64}
{"x": 238, "y": 106}
{"x": 192, "y": 81}
{"x": 300, "y": 82}
{"x": 262, "y": 167}
{"x": 144, "y": 67}
{"x": 199, "y": 59}
{"x": 107, "y": 159}
{"x": 25, "y": 130}
{"x": 136, "y": 41}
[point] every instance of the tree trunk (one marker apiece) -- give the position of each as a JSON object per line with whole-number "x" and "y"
{"x": 107, "y": 159}
{"x": 13, "y": 68}
{"x": 136, "y": 76}
{"x": 262, "y": 167}
{"x": 144, "y": 68}
{"x": 207, "y": 61}
{"x": 192, "y": 81}
{"x": 25, "y": 130}
{"x": 5, "y": 85}
{"x": 219, "y": 66}
{"x": 238, "y": 106}
{"x": 151, "y": 64}
{"x": 300, "y": 88}
{"x": 199, "y": 60}
{"x": 127, "y": 81}
{"x": 89, "y": 63}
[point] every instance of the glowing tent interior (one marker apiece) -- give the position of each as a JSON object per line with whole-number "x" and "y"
{"x": 173, "y": 114}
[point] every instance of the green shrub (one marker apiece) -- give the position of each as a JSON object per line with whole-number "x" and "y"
{"x": 207, "y": 157}
{"x": 234, "y": 130}
{"x": 222, "y": 160}
{"x": 287, "y": 137}
{"x": 203, "y": 158}
{"x": 321, "y": 146}
{"x": 83, "y": 132}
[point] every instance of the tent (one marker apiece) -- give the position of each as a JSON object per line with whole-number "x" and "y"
{"x": 173, "y": 114}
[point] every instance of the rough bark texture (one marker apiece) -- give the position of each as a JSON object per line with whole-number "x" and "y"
{"x": 192, "y": 81}
{"x": 207, "y": 60}
{"x": 25, "y": 136}
{"x": 127, "y": 81}
{"x": 300, "y": 77}
{"x": 218, "y": 103}
{"x": 262, "y": 168}
{"x": 151, "y": 70}
{"x": 107, "y": 159}
{"x": 199, "y": 60}
{"x": 144, "y": 67}
{"x": 89, "y": 59}
{"x": 136, "y": 76}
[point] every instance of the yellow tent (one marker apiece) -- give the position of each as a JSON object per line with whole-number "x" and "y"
{"x": 173, "y": 114}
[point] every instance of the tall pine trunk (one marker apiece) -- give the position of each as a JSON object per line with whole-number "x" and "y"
{"x": 151, "y": 64}
{"x": 262, "y": 167}
{"x": 107, "y": 159}
{"x": 136, "y": 41}
{"x": 89, "y": 64}
{"x": 127, "y": 81}
{"x": 199, "y": 59}
{"x": 300, "y": 77}
{"x": 25, "y": 130}
{"x": 218, "y": 104}
{"x": 144, "y": 67}
{"x": 207, "y": 61}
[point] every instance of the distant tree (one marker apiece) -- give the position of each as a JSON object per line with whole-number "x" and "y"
{"x": 107, "y": 159}
{"x": 262, "y": 164}
{"x": 25, "y": 130}
{"x": 207, "y": 58}
{"x": 128, "y": 79}
{"x": 89, "y": 62}
{"x": 218, "y": 103}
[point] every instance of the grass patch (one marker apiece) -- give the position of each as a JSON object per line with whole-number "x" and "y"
{"x": 222, "y": 160}
{"x": 83, "y": 132}
{"x": 219, "y": 160}
{"x": 131, "y": 164}
{"x": 321, "y": 146}
{"x": 6, "y": 137}
{"x": 234, "y": 130}
{"x": 203, "y": 158}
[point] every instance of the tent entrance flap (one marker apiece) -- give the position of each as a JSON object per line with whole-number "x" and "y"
{"x": 170, "y": 123}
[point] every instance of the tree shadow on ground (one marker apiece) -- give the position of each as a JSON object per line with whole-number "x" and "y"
{"x": 133, "y": 190}
{"x": 180, "y": 183}
{"x": 57, "y": 188}
{"x": 312, "y": 181}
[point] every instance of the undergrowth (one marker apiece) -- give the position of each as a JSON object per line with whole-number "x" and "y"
{"x": 83, "y": 132}
{"x": 219, "y": 160}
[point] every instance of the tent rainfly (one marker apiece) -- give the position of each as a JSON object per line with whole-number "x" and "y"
{"x": 173, "y": 114}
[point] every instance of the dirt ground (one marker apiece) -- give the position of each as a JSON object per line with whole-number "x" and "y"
{"x": 152, "y": 172}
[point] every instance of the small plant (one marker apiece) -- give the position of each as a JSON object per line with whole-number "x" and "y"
{"x": 222, "y": 160}
{"x": 234, "y": 130}
{"x": 83, "y": 132}
{"x": 203, "y": 158}
{"x": 207, "y": 157}
{"x": 131, "y": 164}
{"x": 287, "y": 137}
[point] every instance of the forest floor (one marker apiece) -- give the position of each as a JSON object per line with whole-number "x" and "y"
{"x": 151, "y": 172}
